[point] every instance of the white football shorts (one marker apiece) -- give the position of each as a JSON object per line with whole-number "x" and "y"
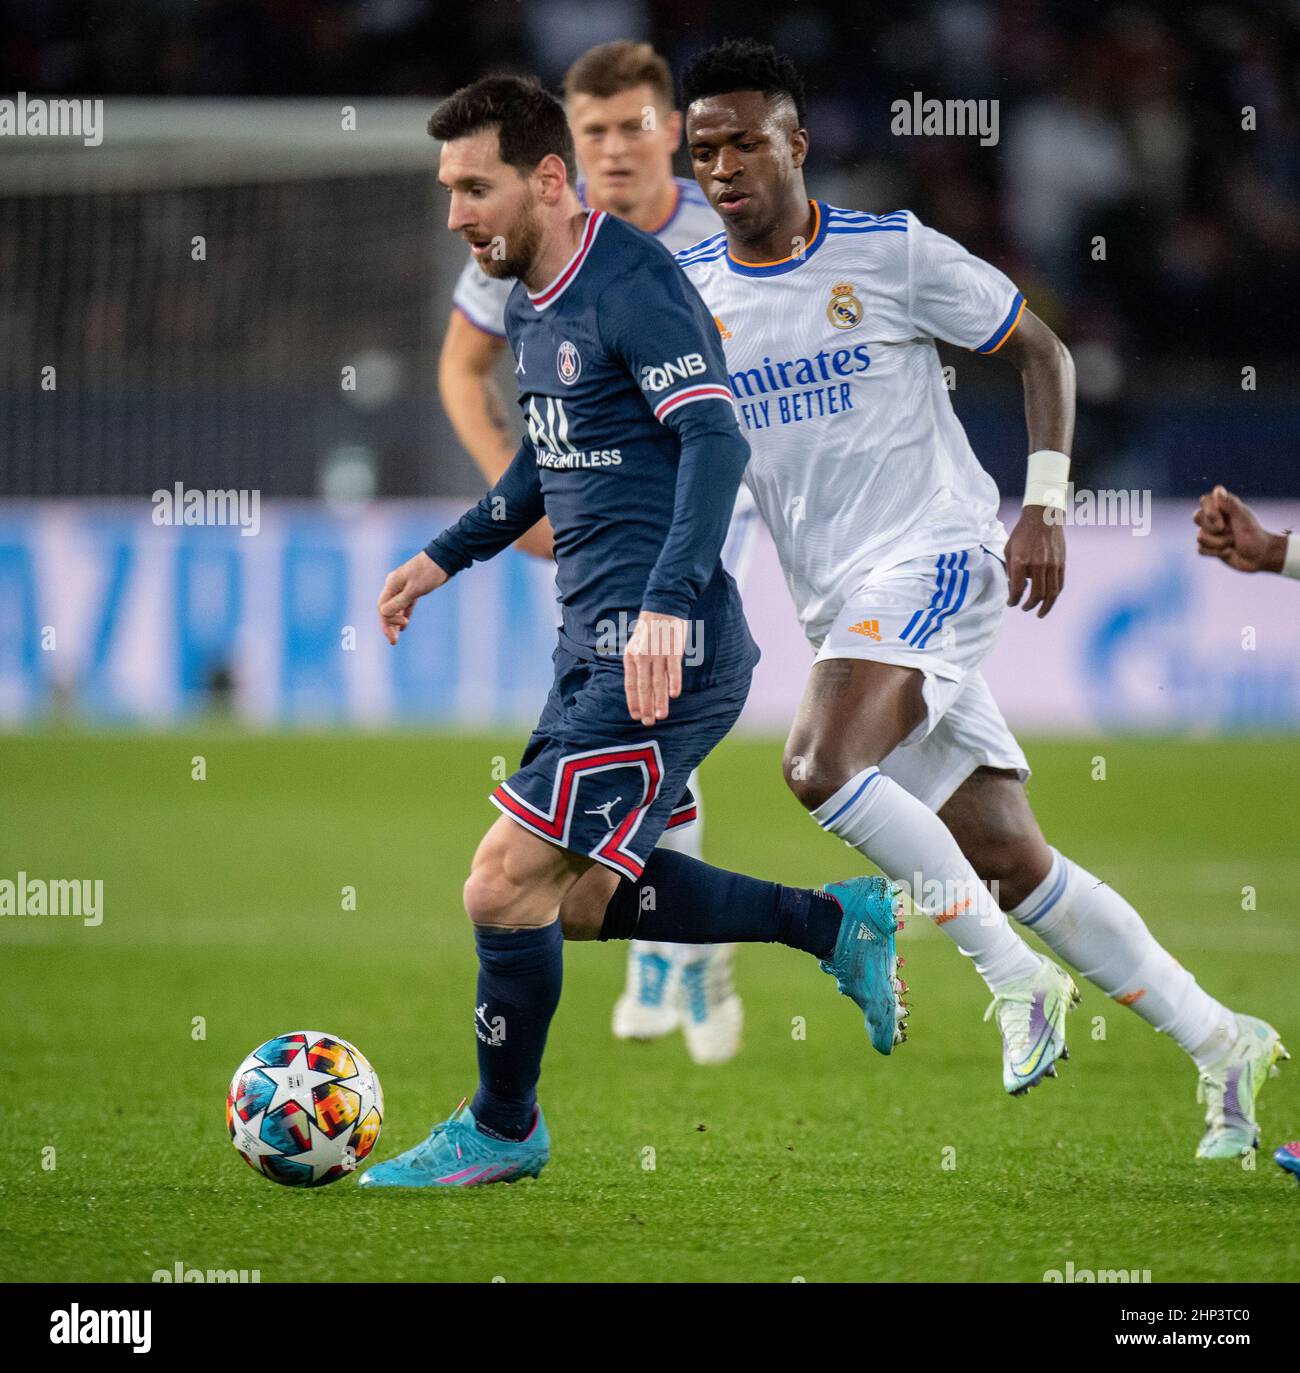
{"x": 940, "y": 615}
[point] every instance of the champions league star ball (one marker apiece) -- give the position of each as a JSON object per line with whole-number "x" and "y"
{"x": 305, "y": 1108}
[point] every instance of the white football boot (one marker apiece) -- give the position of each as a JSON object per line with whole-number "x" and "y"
{"x": 711, "y": 1012}
{"x": 1031, "y": 1015}
{"x": 650, "y": 1005}
{"x": 1230, "y": 1087}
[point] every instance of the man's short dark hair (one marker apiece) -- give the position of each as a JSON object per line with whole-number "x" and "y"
{"x": 530, "y": 122}
{"x": 741, "y": 64}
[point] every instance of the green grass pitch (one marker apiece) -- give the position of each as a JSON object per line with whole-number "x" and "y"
{"x": 808, "y": 1157}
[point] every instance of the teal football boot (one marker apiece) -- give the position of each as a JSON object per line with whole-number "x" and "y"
{"x": 458, "y": 1154}
{"x": 865, "y": 964}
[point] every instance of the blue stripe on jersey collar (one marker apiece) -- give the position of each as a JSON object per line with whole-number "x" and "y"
{"x": 786, "y": 264}
{"x": 703, "y": 251}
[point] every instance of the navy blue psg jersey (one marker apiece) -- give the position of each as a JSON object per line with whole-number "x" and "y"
{"x": 632, "y": 450}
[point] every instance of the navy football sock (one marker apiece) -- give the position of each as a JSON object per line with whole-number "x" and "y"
{"x": 679, "y": 900}
{"x": 519, "y": 977}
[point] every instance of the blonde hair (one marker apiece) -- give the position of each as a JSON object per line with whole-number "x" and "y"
{"x": 614, "y": 67}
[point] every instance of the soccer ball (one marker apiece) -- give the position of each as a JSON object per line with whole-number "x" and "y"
{"x": 304, "y": 1108}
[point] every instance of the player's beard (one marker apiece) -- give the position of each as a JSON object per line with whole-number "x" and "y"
{"x": 520, "y": 243}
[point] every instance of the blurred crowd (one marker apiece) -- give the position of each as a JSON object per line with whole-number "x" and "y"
{"x": 1119, "y": 121}
{"x": 1144, "y": 190}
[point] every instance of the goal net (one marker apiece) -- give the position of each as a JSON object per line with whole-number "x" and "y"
{"x": 225, "y": 294}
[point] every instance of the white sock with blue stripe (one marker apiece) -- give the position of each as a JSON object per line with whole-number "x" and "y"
{"x": 1099, "y": 934}
{"x": 908, "y": 842}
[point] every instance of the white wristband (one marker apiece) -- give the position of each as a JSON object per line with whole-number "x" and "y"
{"x": 1291, "y": 559}
{"x": 1047, "y": 479}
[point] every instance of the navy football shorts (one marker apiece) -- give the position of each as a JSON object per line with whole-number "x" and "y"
{"x": 600, "y": 783}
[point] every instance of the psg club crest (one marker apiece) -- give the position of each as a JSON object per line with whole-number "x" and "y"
{"x": 845, "y": 309}
{"x": 568, "y": 363}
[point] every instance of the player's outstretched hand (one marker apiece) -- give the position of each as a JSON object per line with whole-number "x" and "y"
{"x": 402, "y": 588}
{"x": 652, "y": 665}
{"x": 1230, "y": 531}
{"x": 1036, "y": 554}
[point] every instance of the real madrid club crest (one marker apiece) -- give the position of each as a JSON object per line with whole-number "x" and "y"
{"x": 845, "y": 309}
{"x": 568, "y": 363}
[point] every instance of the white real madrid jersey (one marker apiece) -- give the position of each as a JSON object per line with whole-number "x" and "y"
{"x": 858, "y": 462}
{"x": 482, "y": 299}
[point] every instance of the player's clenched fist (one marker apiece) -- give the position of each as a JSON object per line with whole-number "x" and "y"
{"x": 402, "y": 588}
{"x": 1230, "y": 531}
{"x": 652, "y": 665}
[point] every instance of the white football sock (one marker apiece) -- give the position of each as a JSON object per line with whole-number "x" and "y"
{"x": 1096, "y": 931}
{"x": 908, "y": 842}
{"x": 687, "y": 839}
